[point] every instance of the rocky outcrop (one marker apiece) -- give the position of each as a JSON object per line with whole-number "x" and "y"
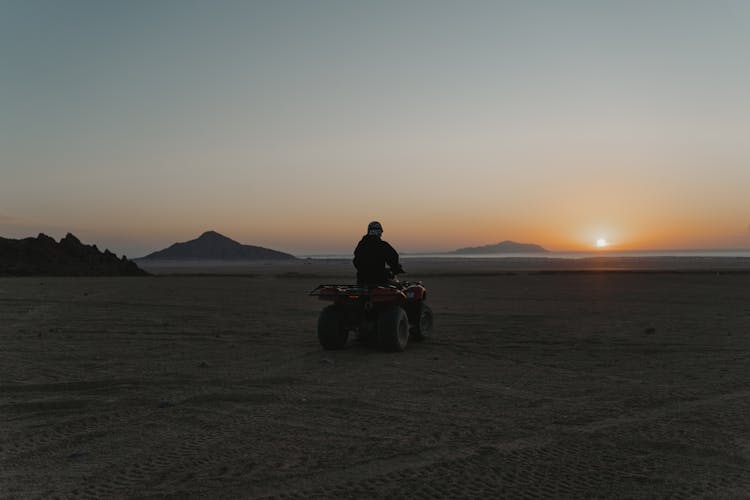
{"x": 43, "y": 256}
{"x": 214, "y": 246}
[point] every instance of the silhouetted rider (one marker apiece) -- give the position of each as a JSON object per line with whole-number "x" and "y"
{"x": 371, "y": 256}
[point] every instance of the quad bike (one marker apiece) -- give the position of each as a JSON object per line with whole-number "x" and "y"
{"x": 387, "y": 314}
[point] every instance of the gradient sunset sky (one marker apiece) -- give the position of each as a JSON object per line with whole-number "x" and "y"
{"x": 292, "y": 124}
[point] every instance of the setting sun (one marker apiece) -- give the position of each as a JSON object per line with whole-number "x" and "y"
{"x": 601, "y": 243}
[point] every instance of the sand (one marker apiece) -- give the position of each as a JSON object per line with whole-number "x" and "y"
{"x": 537, "y": 384}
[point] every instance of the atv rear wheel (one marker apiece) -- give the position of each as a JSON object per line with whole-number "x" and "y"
{"x": 332, "y": 332}
{"x": 421, "y": 322}
{"x": 393, "y": 329}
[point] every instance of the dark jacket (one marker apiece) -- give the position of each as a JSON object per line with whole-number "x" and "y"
{"x": 370, "y": 258}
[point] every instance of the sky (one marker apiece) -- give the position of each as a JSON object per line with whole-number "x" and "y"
{"x": 292, "y": 124}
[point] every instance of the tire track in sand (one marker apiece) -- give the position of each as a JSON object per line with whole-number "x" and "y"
{"x": 546, "y": 465}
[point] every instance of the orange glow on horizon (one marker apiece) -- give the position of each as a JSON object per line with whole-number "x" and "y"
{"x": 332, "y": 233}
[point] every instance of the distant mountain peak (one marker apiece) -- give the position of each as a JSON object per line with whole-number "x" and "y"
{"x": 212, "y": 234}
{"x": 506, "y": 246}
{"x": 212, "y": 245}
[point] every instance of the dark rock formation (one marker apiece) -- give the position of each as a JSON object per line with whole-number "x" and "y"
{"x": 214, "y": 246}
{"x": 503, "y": 247}
{"x": 43, "y": 256}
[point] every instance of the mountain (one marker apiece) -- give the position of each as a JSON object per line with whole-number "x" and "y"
{"x": 503, "y": 247}
{"x": 214, "y": 246}
{"x": 43, "y": 256}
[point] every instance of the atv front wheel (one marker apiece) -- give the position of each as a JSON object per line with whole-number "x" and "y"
{"x": 421, "y": 322}
{"x": 332, "y": 332}
{"x": 393, "y": 329}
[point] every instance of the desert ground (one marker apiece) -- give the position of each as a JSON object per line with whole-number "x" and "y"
{"x": 596, "y": 379}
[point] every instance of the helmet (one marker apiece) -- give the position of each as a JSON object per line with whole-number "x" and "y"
{"x": 374, "y": 228}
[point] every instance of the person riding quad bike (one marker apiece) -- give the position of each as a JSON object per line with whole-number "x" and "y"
{"x": 371, "y": 256}
{"x": 378, "y": 308}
